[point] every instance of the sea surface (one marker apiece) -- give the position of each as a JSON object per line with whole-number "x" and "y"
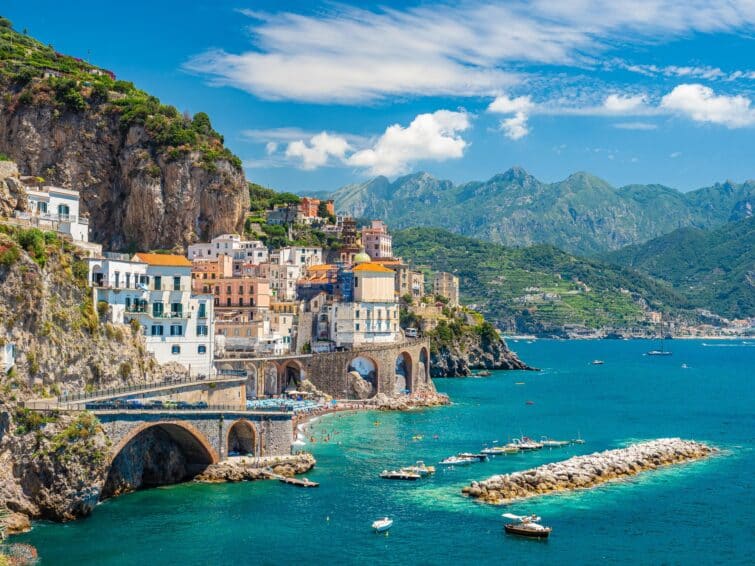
{"x": 698, "y": 513}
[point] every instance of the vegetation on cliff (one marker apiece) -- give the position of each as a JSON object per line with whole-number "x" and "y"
{"x": 538, "y": 289}
{"x": 149, "y": 176}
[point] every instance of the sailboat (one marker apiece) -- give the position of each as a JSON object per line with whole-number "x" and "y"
{"x": 662, "y": 351}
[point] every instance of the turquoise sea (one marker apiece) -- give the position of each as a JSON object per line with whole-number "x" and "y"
{"x": 699, "y": 513}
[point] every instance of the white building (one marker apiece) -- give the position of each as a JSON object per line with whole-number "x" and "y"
{"x": 7, "y": 356}
{"x": 283, "y": 280}
{"x": 353, "y": 324}
{"x": 299, "y": 256}
{"x": 57, "y": 209}
{"x": 248, "y": 251}
{"x": 155, "y": 290}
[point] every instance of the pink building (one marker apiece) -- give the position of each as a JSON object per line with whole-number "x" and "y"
{"x": 377, "y": 241}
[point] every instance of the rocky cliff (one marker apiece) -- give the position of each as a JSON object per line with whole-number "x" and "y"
{"x": 52, "y": 465}
{"x": 459, "y": 356}
{"x": 149, "y": 176}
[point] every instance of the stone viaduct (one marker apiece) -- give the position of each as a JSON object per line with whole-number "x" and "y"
{"x": 383, "y": 368}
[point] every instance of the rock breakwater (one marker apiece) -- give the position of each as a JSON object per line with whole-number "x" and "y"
{"x": 587, "y": 471}
{"x": 241, "y": 468}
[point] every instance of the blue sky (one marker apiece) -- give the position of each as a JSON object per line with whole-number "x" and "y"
{"x": 315, "y": 95}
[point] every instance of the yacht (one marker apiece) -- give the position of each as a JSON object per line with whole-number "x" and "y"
{"x": 419, "y": 468}
{"x": 525, "y": 443}
{"x": 457, "y": 461}
{"x": 382, "y": 525}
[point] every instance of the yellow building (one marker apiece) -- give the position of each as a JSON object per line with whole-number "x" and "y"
{"x": 374, "y": 283}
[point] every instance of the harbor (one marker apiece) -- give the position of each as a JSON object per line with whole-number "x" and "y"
{"x": 224, "y": 518}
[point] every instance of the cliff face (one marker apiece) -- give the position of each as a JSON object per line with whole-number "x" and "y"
{"x": 53, "y": 465}
{"x": 136, "y": 194}
{"x": 458, "y": 357}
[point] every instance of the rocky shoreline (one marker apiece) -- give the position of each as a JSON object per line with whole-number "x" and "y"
{"x": 241, "y": 468}
{"x": 587, "y": 471}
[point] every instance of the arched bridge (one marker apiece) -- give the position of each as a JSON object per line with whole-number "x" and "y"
{"x": 355, "y": 374}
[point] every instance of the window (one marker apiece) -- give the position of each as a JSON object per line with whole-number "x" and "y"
{"x": 356, "y": 281}
{"x": 157, "y": 330}
{"x": 176, "y": 283}
{"x": 117, "y": 279}
{"x": 201, "y": 330}
{"x": 241, "y": 301}
{"x": 251, "y": 289}
{"x": 128, "y": 280}
{"x": 175, "y": 349}
{"x": 176, "y": 330}
{"x": 356, "y": 313}
{"x": 228, "y": 289}
{"x": 42, "y": 207}
{"x": 228, "y": 302}
{"x": 202, "y": 350}
{"x": 241, "y": 289}
{"x": 158, "y": 283}
{"x": 157, "y": 309}
{"x": 63, "y": 210}
{"x": 202, "y": 310}
{"x": 176, "y": 310}
{"x": 357, "y": 327}
{"x": 128, "y": 303}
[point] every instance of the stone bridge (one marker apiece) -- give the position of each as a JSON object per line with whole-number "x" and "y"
{"x": 355, "y": 374}
{"x": 151, "y": 448}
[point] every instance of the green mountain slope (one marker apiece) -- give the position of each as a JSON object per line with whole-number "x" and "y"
{"x": 540, "y": 288}
{"x": 581, "y": 214}
{"x": 715, "y": 269}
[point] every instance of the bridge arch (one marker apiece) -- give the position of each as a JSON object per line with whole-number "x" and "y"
{"x": 404, "y": 373}
{"x": 242, "y": 438}
{"x": 368, "y": 383}
{"x": 291, "y": 375}
{"x": 157, "y": 453}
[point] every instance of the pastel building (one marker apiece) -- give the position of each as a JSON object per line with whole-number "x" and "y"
{"x": 446, "y": 285}
{"x": 377, "y": 241}
{"x": 248, "y": 251}
{"x": 156, "y": 291}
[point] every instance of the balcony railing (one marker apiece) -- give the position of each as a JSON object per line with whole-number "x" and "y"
{"x": 69, "y": 218}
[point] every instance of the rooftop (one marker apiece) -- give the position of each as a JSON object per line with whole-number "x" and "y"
{"x": 168, "y": 260}
{"x": 374, "y": 267}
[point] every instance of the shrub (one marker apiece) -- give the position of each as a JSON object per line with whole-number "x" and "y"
{"x": 102, "y": 307}
{"x": 135, "y": 326}
{"x": 125, "y": 370}
{"x": 9, "y": 254}
{"x": 80, "y": 270}
{"x": 28, "y": 420}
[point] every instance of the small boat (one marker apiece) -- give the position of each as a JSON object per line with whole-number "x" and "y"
{"x": 419, "y": 468}
{"x": 660, "y": 353}
{"x": 495, "y": 450}
{"x": 382, "y": 525}
{"x": 550, "y": 443}
{"x": 483, "y": 373}
{"x": 597, "y": 362}
{"x": 399, "y": 475}
{"x": 529, "y": 402}
{"x": 417, "y": 437}
{"x": 304, "y": 482}
{"x": 578, "y": 440}
{"x": 525, "y": 443}
{"x": 519, "y": 383}
{"x": 528, "y": 529}
{"x": 684, "y": 366}
{"x": 456, "y": 461}
{"x": 481, "y": 457}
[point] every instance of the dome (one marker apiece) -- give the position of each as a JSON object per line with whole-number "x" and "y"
{"x": 362, "y": 257}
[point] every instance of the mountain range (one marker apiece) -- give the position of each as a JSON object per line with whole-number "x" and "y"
{"x": 582, "y": 214}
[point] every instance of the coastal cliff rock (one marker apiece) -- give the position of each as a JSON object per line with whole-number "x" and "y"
{"x": 459, "y": 356}
{"x": 249, "y": 468}
{"x": 12, "y": 195}
{"x": 587, "y": 471}
{"x": 135, "y": 193}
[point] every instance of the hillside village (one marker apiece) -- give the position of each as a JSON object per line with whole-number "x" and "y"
{"x": 244, "y": 297}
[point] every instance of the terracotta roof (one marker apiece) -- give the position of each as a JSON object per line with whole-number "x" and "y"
{"x": 168, "y": 260}
{"x": 321, "y": 267}
{"x": 376, "y": 267}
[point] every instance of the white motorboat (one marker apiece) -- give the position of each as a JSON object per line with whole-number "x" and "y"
{"x": 525, "y": 443}
{"x": 496, "y": 450}
{"x": 550, "y": 443}
{"x": 382, "y": 525}
{"x": 597, "y": 362}
{"x": 419, "y": 468}
{"x": 457, "y": 461}
{"x": 522, "y": 518}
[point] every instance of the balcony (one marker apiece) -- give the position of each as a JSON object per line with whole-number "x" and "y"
{"x": 44, "y": 216}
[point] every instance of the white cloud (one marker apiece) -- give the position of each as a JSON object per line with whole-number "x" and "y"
{"x": 619, "y": 104}
{"x": 318, "y": 151}
{"x": 271, "y": 147}
{"x": 635, "y": 126}
{"x": 433, "y": 136}
{"x": 675, "y": 154}
{"x": 505, "y": 105}
{"x": 702, "y": 104}
{"x": 515, "y": 127}
{"x": 353, "y": 55}
{"x": 428, "y": 137}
